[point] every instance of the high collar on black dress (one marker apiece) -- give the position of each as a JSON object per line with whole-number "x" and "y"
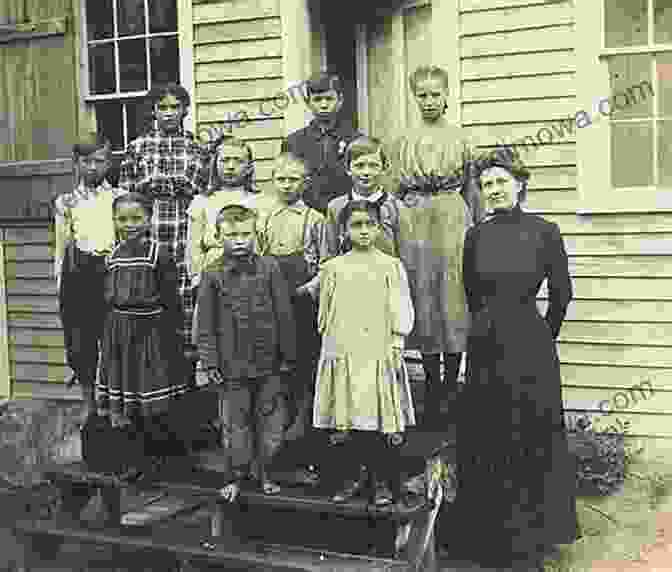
{"x": 513, "y": 213}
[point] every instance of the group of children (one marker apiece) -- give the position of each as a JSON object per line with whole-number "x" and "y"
{"x": 306, "y": 296}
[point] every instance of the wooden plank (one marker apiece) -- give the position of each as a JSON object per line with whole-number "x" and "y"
{"x": 238, "y": 70}
{"x": 254, "y": 89}
{"x": 264, "y": 48}
{"x": 42, "y": 390}
{"x": 266, "y": 149}
{"x": 616, "y": 377}
{"x": 615, "y": 332}
{"x": 231, "y": 10}
{"x": 32, "y": 304}
{"x": 239, "y": 113}
{"x": 257, "y": 129}
{"x": 543, "y": 39}
{"x": 237, "y": 31}
{"x": 29, "y": 235}
{"x": 606, "y": 354}
{"x": 36, "y": 338}
{"x": 35, "y": 354}
{"x": 618, "y": 401}
{"x": 632, "y": 266}
{"x": 29, "y": 269}
{"x": 42, "y": 252}
{"x": 620, "y": 288}
{"x": 615, "y": 223}
{"x": 475, "y": 5}
{"x": 519, "y": 110}
{"x": 511, "y": 65}
{"x": 516, "y": 17}
{"x": 616, "y": 310}
{"x": 517, "y": 134}
{"x": 5, "y": 381}
{"x": 32, "y": 287}
{"x": 639, "y": 424}
{"x": 36, "y": 168}
{"x": 552, "y": 178}
{"x": 35, "y": 321}
{"x": 558, "y": 154}
{"x": 634, "y": 244}
{"x": 40, "y": 372}
{"x": 552, "y": 200}
{"x": 560, "y": 84}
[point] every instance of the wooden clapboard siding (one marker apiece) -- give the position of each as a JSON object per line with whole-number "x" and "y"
{"x": 238, "y": 68}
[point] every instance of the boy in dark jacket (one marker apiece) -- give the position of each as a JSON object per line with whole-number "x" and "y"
{"x": 322, "y": 143}
{"x": 247, "y": 337}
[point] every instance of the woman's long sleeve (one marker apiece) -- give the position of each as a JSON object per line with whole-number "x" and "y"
{"x": 401, "y": 303}
{"x": 62, "y": 237}
{"x": 474, "y": 301}
{"x": 331, "y": 233}
{"x": 325, "y": 281}
{"x": 195, "y": 234}
{"x": 168, "y": 289}
{"x": 128, "y": 170}
{"x": 207, "y": 321}
{"x": 559, "y": 282}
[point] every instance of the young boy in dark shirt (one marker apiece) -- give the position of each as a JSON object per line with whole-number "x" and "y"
{"x": 322, "y": 143}
{"x": 247, "y": 337}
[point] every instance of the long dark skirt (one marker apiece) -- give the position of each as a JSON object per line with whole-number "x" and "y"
{"x": 143, "y": 367}
{"x": 82, "y": 308}
{"x": 516, "y": 477}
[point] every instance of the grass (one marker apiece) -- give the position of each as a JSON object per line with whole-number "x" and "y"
{"x": 616, "y": 528}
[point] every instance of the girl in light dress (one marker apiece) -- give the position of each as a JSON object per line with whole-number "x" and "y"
{"x": 362, "y": 387}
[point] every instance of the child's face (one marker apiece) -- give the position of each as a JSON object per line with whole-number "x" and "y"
{"x": 430, "y": 95}
{"x": 231, "y": 164}
{"x": 130, "y": 220}
{"x": 325, "y": 104}
{"x": 237, "y": 238}
{"x": 362, "y": 230}
{"x": 94, "y": 167}
{"x": 366, "y": 172}
{"x": 169, "y": 114}
{"x": 288, "y": 180}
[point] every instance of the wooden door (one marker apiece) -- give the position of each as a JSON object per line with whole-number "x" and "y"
{"x": 390, "y": 47}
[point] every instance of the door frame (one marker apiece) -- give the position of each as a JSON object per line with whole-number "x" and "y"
{"x": 445, "y": 53}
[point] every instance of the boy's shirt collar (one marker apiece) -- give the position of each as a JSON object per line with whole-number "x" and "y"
{"x": 298, "y": 207}
{"x": 240, "y": 264}
{"x": 372, "y": 198}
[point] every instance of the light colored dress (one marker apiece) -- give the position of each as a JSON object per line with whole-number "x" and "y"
{"x": 365, "y": 312}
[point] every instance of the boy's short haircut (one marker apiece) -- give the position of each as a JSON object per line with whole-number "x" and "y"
{"x": 236, "y": 213}
{"x": 87, "y": 146}
{"x": 133, "y": 197}
{"x": 288, "y": 157}
{"x": 365, "y": 145}
{"x": 158, "y": 92}
{"x": 323, "y": 81}
{"x": 358, "y": 206}
{"x": 424, "y": 72}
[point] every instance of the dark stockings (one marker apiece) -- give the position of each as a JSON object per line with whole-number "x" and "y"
{"x": 431, "y": 364}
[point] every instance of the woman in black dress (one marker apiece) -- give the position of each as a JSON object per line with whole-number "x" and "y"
{"x": 516, "y": 492}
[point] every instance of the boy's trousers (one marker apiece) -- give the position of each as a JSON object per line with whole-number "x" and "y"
{"x": 82, "y": 308}
{"x": 253, "y": 413}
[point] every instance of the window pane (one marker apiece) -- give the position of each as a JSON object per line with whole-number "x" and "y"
{"x": 631, "y": 87}
{"x": 99, "y": 19}
{"x": 162, "y": 16}
{"x": 664, "y": 73}
{"x": 139, "y": 117}
{"x": 632, "y": 154}
{"x": 662, "y": 25}
{"x": 165, "y": 61}
{"x": 101, "y": 69}
{"x": 665, "y": 153}
{"x": 132, "y": 65}
{"x": 626, "y": 23}
{"x": 131, "y": 17}
{"x": 109, "y": 123}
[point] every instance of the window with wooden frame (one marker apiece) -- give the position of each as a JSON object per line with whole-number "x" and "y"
{"x": 129, "y": 46}
{"x": 624, "y": 75}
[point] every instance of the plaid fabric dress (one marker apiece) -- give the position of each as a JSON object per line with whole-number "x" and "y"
{"x": 171, "y": 169}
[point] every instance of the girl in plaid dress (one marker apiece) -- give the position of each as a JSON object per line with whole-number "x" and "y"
{"x": 169, "y": 167}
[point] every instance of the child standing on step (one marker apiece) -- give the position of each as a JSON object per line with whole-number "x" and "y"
{"x": 293, "y": 233}
{"x": 247, "y": 337}
{"x": 142, "y": 370}
{"x": 362, "y": 386}
{"x": 84, "y": 236}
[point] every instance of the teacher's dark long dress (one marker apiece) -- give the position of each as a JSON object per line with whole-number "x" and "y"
{"x": 516, "y": 492}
